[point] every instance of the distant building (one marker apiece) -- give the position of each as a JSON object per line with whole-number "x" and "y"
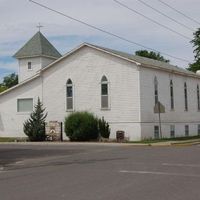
{"x": 115, "y": 85}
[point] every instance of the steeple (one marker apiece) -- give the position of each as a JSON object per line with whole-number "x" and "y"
{"x": 37, "y": 53}
{"x": 38, "y": 45}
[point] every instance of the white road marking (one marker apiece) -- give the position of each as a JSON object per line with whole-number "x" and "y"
{"x": 2, "y": 170}
{"x": 159, "y": 173}
{"x": 180, "y": 165}
{"x": 19, "y": 163}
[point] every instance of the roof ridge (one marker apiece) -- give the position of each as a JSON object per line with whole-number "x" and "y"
{"x": 40, "y": 41}
{"x": 144, "y": 60}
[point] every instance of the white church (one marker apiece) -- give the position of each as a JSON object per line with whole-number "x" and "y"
{"x": 118, "y": 86}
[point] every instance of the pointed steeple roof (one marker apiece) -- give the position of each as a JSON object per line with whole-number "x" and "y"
{"x": 38, "y": 45}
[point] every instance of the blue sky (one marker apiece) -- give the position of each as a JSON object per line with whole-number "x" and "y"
{"x": 19, "y": 18}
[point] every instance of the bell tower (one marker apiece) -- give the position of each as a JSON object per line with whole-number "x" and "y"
{"x": 37, "y": 53}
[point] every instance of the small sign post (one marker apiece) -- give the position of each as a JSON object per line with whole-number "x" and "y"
{"x": 53, "y": 131}
{"x": 159, "y": 108}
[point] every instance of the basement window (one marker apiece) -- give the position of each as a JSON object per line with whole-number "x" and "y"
{"x": 198, "y": 129}
{"x": 156, "y": 132}
{"x": 186, "y": 130}
{"x": 172, "y": 131}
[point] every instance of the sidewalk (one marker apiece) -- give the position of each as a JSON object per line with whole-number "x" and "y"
{"x": 74, "y": 143}
{"x": 176, "y": 143}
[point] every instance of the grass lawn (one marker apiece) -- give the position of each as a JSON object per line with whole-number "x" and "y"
{"x": 5, "y": 139}
{"x": 147, "y": 141}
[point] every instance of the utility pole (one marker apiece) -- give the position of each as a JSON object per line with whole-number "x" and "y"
{"x": 159, "y": 116}
{"x": 159, "y": 108}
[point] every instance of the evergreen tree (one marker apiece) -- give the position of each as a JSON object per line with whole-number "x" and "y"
{"x": 104, "y": 128}
{"x": 34, "y": 127}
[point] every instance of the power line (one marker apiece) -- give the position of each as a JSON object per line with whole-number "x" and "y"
{"x": 152, "y": 20}
{"x": 107, "y": 32}
{"x": 186, "y": 16}
{"x": 163, "y": 14}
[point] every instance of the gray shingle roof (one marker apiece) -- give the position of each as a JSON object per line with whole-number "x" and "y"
{"x": 139, "y": 59}
{"x": 146, "y": 61}
{"x": 38, "y": 45}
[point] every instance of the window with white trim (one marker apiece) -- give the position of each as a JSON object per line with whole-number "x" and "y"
{"x": 25, "y": 105}
{"x": 198, "y": 98}
{"x": 172, "y": 131}
{"x": 104, "y": 93}
{"x": 156, "y": 90}
{"x": 185, "y": 96}
{"x": 69, "y": 95}
{"x": 171, "y": 95}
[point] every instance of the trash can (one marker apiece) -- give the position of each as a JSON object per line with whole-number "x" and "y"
{"x": 120, "y": 136}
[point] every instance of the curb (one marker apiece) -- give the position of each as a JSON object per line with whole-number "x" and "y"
{"x": 158, "y": 144}
{"x": 185, "y": 143}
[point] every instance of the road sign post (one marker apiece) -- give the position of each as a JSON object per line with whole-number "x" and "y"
{"x": 159, "y": 108}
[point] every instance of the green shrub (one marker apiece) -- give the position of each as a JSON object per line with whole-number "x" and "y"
{"x": 104, "y": 129}
{"x": 81, "y": 126}
{"x": 34, "y": 127}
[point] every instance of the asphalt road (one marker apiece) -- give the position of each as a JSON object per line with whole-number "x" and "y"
{"x": 94, "y": 172}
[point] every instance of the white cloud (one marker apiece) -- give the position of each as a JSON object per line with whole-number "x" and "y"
{"x": 10, "y": 66}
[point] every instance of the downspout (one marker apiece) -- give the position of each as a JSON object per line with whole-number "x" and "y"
{"x": 42, "y": 86}
{"x": 139, "y": 95}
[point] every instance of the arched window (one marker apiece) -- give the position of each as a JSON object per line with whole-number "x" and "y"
{"x": 198, "y": 98}
{"x": 156, "y": 90}
{"x": 185, "y": 96}
{"x": 171, "y": 95}
{"x": 104, "y": 93}
{"x": 69, "y": 95}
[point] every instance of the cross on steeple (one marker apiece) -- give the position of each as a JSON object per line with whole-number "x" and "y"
{"x": 39, "y": 26}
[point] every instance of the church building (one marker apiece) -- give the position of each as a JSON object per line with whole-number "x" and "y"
{"x": 134, "y": 94}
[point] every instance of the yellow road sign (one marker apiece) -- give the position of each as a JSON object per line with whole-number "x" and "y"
{"x": 159, "y": 108}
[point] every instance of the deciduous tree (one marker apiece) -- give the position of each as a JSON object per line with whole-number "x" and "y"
{"x": 196, "y": 44}
{"x": 152, "y": 55}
